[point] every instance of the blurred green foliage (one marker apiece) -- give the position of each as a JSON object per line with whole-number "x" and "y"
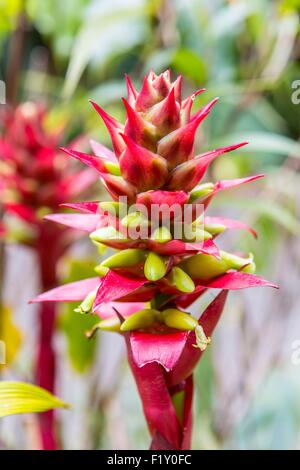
{"x": 81, "y": 349}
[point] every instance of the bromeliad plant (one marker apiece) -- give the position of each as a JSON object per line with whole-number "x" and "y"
{"x": 145, "y": 289}
{"x": 34, "y": 179}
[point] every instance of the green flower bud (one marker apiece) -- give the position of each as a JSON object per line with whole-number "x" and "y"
{"x": 134, "y": 219}
{"x": 161, "y": 235}
{"x": 215, "y": 229}
{"x": 101, "y": 248}
{"x": 234, "y": 261}
{"x": 141, "y": 319}
{"x": 249, "y": 268}
{"x": 155, "y": 267}
{"x": 106, "y": 234}
{"x": 204, "y": 266}
{"x": 87, "y": 304}
{"x": 112, "y": 168}
{"x": 109, "y": 324}
{"x": 125, "y": 258}
{"x": 199, "y": 235}
{"x": 181, "y": 280}
{"x": 113, "y": 207}
{"x": 177, "y": 319}
{"x": 201, "y": 191}
{"x": 101, "y": 270}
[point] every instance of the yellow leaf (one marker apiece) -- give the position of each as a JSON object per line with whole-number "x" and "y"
{"x": 19, "y": 397}
{"x": 10, "y": 335}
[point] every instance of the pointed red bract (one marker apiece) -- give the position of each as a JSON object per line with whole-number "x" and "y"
{"x": 138, "y": 129}
{"x": 157, "y": 404}
{"x": 165, "y": 349}
{"x": 90, "y": 160}
{"x": 87, "y": 207}
{"x": 102, "y": 151}
{"x": 72, "y": 292}
{"x": 124, "y": 309}
{"x": 131, "y": 91}
{"x": 177, "y": 147}
{"x": 189, "y": 174}
{"x": 141, "y": 167}
{"x": 191, "y": 355}
{"x": 114, "y": 287}
{"x": 114, "y": 128}
{"x": 86, "y": 222}
{"x": 229, "y": 224}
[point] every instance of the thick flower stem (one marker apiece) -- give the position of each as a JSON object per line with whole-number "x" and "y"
{"x": 48, "y": 255}
{"x": 45, "y": 372}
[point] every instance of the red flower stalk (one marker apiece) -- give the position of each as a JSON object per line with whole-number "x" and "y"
{"x": 143, "y": 291}
{"x": 35, "y": 179}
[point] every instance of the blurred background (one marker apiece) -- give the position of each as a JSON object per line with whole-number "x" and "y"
{"x": 248, "y": 53}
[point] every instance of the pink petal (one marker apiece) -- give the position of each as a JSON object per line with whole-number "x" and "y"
{"x": 102, "y": 151}
{"x": 142, "y": 294}
{"x": 141, "y": 167}
{"x": 118, "y": 186}
{"x": 229, "y": 281}
{"x": 187, "y": 104}
{"x": 237, "y": 280}
{"x": 178, "y": 247}
{"x": 228, "y": 184}
{"x": 131, "y": 91}
{"x": 230, "y": 224}
{"x": 156, "y": 400}
{"x": 90, "y": 160}
{"x": 165, "y": 349}
{"x": 187, "y": 414}
{"x": 137, "y": 128}
{"x": 114, "y": 128}
{"x": 86, "y": 222}
{"x": 74, "y": 291}
{"x": 159, "y": 197}
{"x": 87, "y": 207}
{"x": 189, "y": 174}
{"x": 147, "y": 96}
{"x": 185, "y": 300}
{"x": 79, "y": 183}
{"x": 191, "y": 355}
{"x": 124, "y": 308}
{"x": 178, "y": 145}
{"x": 113, "y": 286}
{"x": 166, "y": 114}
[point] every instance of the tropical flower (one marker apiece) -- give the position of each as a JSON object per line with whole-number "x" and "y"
{"x": 35, "y": 179}
{"x": 143, "y": 291}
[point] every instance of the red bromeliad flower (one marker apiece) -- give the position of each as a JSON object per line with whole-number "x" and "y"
{"x": 34, "y": 179}
{"x": 143, "y": 291}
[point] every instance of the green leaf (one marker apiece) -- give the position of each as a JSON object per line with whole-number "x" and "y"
{"x": 81, "y": 350}
{"x": 18, "y": 397}
{"x": 278, "y": 214}
{"x": 10, "y": 335}
{"x": 109, "y": 30}
{"x": 189, "y": 63}
{"x": 267, "y": 142}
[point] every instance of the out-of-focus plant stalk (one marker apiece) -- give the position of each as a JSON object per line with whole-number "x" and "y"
{"x": 45, "y": 361}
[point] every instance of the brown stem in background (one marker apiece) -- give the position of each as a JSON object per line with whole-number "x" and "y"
{"x": 15, "y": 56}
